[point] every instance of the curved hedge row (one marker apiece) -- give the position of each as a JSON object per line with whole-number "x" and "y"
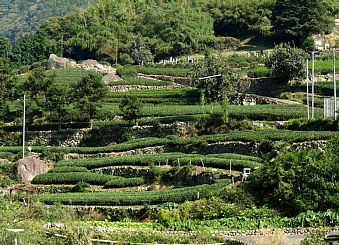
{"x": 135, "y": 198}
{"x": 68, "y": 169}
{"x": 124, "y": 182}
{"x": 161, "y": 159}
{"x": 72, "y": 178}
{"x": 245, "y": 136}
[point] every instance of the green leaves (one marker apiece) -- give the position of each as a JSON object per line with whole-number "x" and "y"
{"x": 300, "y": 180}
{"x": 294, "y": 21}
{"x": 130, "y": 108}
{"x": 73, "y": 178}
{"x": 88, "y": 93}
{"x": 286, "y": 62}
{"x": 220, "y": 85}
{"x": 135, "y": 198}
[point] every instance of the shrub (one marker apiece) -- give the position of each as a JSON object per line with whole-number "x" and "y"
{"x": 68, "y": 169}
{"x": 81, "y": 187}
{"x": 72, "y": 178}
{"x": 259, "y": 72}
{"x": 135, "y": 198}
{"x": 286, "y": 62}
{"x": 124, "y": 182}
{"x": 169, "y": 158}
{"x": 24, "y": 69}
{"x": 127, "y": 71}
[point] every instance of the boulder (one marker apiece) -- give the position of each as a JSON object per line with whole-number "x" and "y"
{"x": 90, "y": 62}
{"x": 29, "y": 167}
{"x": 55, "y": 62}
{"x": 111, "y": 78}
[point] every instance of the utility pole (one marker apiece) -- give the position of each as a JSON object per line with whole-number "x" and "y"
{"x": 334, "y": 86}
{"x": 62, "y": 43}
{"x": 24, "y": 128}
{"x": 307, "y": 90}
{"x": 313, "y": 85}
{"x": 116, "y": 55}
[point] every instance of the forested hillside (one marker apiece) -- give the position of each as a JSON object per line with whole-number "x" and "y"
{"x": 19, "y": 16}
{"x": 156, "y": 29}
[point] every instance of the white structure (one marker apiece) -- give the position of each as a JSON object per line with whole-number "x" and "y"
{"x": 329, "y": 107}
{"x": 246, "y": 172}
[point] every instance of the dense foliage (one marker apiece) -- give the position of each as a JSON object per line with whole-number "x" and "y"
{"x": 147, "y": 30}
{"x": 72, "y": 178}
{"x": 214, "y": 79}
{"x": 294, "y": 21}
{"x": 20, "y": 16}
{"x": 135, "y": 198}
{"x": 286, "y": 62}
{"x": 303, "y": 180}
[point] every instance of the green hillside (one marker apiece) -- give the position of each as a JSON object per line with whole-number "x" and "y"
{"x": 19, "y": 16}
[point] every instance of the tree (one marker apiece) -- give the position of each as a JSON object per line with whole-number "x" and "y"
{"x": 140, "y": 53}
{"x": 295, "y": 20}
{"x": 57, "y": 100}
{"x": 88, "y": 93}
{"x": 5, "y": 81}
{"x": 286, "y": 62}
{"x": 4, "y": 47}
{"x": 217, "y": 88}
{"x": 130, "y": 108}
{"x": 300, "y": 180}
{"x": 38, "y": 83}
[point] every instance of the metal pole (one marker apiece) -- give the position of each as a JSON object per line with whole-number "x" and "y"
{"x": 23, "y": 129}
{"x": 334, "y": 86}
{"x": 307, "y": 90}
{"x": 313, "y": 85}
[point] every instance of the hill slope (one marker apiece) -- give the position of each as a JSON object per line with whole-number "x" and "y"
{"x": 18, "y": 16}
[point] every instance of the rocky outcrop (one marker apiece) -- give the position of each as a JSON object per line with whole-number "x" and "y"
{"x": 29, "y": 167}
{"x": 55, "y": 62}
{"x": 109, "y": 78}
{"x": 253, "y": 99}
{"x": 93, "y": 65}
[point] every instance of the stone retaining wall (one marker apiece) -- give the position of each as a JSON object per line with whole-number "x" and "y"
{"x": 185, "y": 81}
{"x": 69, "y": 138}
{"x": 126, "y": 88}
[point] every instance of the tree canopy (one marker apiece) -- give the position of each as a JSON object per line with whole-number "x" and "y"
{"x": 161, "y": 29}
{"x": 286, "y": 62}
{"x": 295, "y": 20}
{"x": 300, "y": 180}
{"x": 214, "y": 78}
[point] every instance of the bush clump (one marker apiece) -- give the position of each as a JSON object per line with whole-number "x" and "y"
{"x": 72, "y": 178}
{"x": 124, "y": 182}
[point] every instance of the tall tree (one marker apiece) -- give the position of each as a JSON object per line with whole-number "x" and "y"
{"x": 297, "y": 181}
{"x": 36, "y": 87}
{"x": 214, "y": 78}
{"x": 57, "y": 101}
{"x": 88, "y": 93}
{"x": 286, "y": 62}
{"x": 140, "y": 53}
{"x": 4, "y": 47}
{"x": 295, "y": 20}
{"x": 130, "y": 108}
